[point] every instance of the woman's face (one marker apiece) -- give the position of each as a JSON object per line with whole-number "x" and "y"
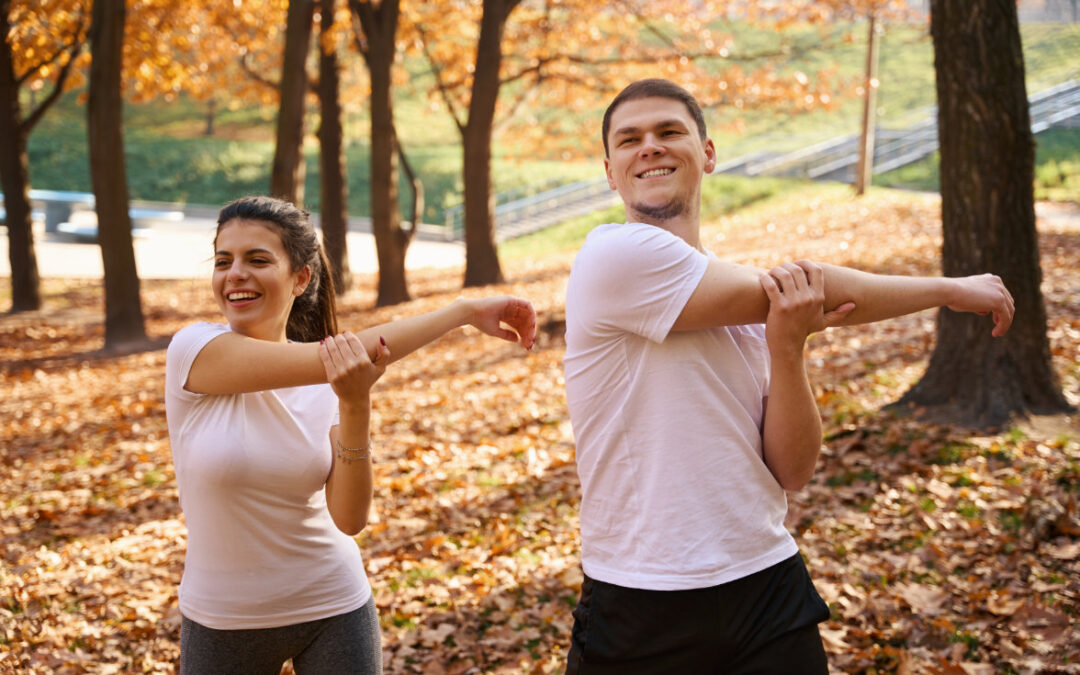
{"x": 253, "y": 281}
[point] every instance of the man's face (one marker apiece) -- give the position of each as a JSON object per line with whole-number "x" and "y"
{"x": 657, "y": 159}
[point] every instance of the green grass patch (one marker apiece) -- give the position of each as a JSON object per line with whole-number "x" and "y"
{"x": 1057, "y": 168}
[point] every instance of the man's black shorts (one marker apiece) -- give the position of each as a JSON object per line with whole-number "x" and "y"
{"x": 763, "y": 623}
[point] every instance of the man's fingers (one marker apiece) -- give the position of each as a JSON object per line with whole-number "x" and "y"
{"x": 833, "y": 318}
{"x": 768, "y": 283}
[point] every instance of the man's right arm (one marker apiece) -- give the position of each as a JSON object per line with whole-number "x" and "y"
{"x": 731, "y": 294}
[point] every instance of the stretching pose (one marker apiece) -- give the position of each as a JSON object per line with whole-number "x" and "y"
{"x": 269, "y": 422}
{"x": 693, "y": 415}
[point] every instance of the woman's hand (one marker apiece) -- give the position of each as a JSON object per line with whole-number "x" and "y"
{"x": 349, "y": 369}
{"x": 488, "y": 315}
{"x": 985, "y": 294}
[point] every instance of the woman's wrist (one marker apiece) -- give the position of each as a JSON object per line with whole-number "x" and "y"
{"x": 463, "y": 312}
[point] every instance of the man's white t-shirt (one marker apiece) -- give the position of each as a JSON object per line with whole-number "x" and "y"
{"x": 251, "y": 469}
{"x": 675, "y": 491}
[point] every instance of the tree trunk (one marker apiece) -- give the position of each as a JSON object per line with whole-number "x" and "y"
{"x": 287, "y": 174}
{"x": 864, "y": 172}
{"x": 391, "y": 243}
{"x": 481, "y": 254}
{"x": 15, "y": 181}
{"x": 123, "y": 309}
{"x": 988, "y": 215}
{"x": 332, "y": 167}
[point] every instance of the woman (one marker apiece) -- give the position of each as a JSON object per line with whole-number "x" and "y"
{"x": 269, "y": 424}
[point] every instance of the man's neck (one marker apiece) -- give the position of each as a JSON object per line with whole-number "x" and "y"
{"x": 686, "y": 227}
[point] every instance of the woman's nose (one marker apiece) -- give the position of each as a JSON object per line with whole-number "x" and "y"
{"x": 237, "y": 270}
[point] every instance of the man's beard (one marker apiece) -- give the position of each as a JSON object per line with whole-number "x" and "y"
{"x": 673, "y": 209}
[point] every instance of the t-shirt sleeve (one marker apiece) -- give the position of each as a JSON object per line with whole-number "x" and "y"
{"x": 183, "y": 348}
{"x": 635, "y": 278}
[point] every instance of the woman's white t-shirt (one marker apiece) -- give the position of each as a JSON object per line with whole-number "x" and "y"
{"x": 251, "y": 469}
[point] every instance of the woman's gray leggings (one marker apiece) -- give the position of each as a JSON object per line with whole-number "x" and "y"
{"x": 347, "y": 643}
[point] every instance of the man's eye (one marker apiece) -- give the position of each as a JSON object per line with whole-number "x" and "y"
{"x": 627, "y": 140}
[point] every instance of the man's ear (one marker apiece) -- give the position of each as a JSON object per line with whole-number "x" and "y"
{"x": 302, "y": 281}
{"x": 710, "y": 156}
{"x": 607, "y": 170}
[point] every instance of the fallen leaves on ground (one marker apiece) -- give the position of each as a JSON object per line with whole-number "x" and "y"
{"x": 939, "y": 550}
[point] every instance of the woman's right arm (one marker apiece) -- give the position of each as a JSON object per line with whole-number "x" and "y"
{"x": 234, "y": 364}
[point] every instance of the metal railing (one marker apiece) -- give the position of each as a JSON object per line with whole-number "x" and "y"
{"x": 837, "y": 158}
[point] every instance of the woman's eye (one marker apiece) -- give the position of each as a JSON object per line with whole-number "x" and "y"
{"x": 221, "y": 263}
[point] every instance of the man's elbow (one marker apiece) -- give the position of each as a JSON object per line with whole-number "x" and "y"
{"x": 796, "y": 482}
{"x": 351, "y": 526}
{"x": 793, "y": 478}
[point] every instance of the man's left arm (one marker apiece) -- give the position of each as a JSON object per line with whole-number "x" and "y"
{"x": 791, "y": 429}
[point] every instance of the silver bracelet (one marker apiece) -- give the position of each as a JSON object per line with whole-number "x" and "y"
{"x": 353, "y": 454}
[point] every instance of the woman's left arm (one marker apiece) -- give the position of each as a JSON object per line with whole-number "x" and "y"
{"x": 487, "y": 314}
{"x": 351, "y": 373}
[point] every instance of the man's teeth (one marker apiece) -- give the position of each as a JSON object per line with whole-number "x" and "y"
{"x": 656, "y": 172}
{"x": 243, "y": 296}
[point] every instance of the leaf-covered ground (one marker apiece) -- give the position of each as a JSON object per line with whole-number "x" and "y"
{"x": 939, "y": 550}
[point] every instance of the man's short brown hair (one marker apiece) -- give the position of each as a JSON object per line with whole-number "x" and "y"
{"x": 654, "y": 88}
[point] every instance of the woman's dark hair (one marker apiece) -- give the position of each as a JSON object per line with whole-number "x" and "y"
{"x": 654, "y": 88}
{"x": 314, "y": 314}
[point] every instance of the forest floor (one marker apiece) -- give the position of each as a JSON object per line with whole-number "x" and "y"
{"x": 939, "y": 549}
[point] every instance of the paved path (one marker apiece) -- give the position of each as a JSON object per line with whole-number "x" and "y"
{"x": 185, "y": 252}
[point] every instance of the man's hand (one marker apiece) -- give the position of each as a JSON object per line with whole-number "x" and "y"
{"x": 796, "y": 294}
{"x": 985, "y": 294}
{"x": 488, "y": 315}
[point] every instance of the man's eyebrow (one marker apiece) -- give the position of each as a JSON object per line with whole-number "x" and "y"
{"x": 662, "y": 124}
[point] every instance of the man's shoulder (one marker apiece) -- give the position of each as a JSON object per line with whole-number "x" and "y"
{"x": 622, "y": 238}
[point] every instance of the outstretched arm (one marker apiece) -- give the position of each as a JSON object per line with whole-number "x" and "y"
{"x": 791, "y": 430}
{"x": 234, "y": 364}
{"x": 730, "y": 294}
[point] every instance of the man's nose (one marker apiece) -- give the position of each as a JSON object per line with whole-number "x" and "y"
{"x": 650, "y": 145}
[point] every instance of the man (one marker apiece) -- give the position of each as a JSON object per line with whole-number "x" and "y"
{"x": 692, "y": 418}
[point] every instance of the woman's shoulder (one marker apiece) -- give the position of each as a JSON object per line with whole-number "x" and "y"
{"x": 195, "y": 335}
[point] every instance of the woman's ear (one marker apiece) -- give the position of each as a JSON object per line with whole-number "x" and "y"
{"x": 303, "y": 278}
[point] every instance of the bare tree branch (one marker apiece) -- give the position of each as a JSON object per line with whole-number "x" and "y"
{"x": 35, "y": 116}
{"x": 78, "y": 40}
{"x": 417, "y": 206}
{"x": 437, "y": 73}
{"x": 249, "y": 70}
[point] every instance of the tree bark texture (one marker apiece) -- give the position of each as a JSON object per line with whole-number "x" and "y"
{"x": 287, "y": 173}
{"x": 334, "y": 215}
{"x": 481, "y": 254}
{"x": 988, "y": 215}
{"x": 391, "y": 242}
{"x": 124, "y": 324}
{"x": 15, "y": 180}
